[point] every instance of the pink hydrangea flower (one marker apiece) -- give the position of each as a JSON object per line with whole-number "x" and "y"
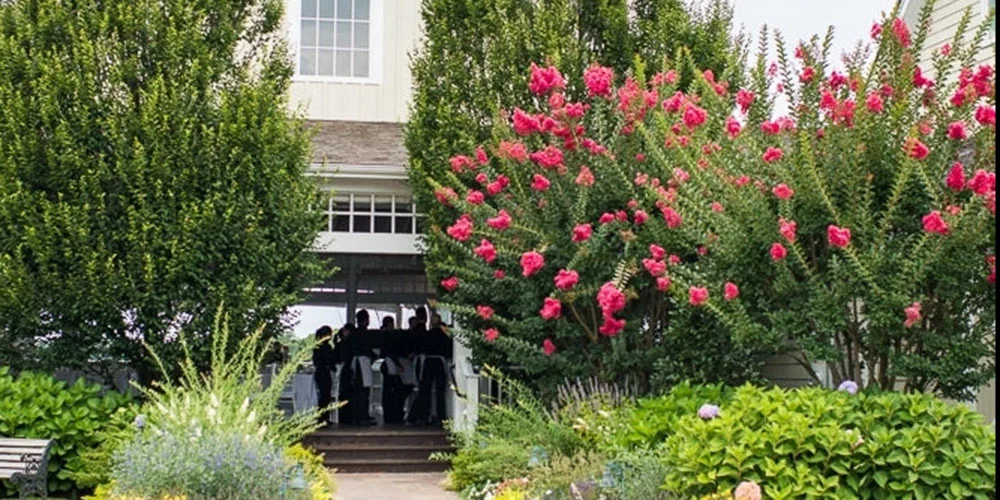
{"x": 747, "y": 490}
{"x": 708, "y": 411}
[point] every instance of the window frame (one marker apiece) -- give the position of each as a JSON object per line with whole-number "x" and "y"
{"x": 330, "y": 213}
{"x": 376, "y": 31}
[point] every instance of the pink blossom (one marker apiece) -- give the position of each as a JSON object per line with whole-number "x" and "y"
{"x": 773, "y": 154}
{"x": 486, "y": 250}
{"x": 681, "y": 175}
{"x": 606, "y": 218}
{"x": 717, "y": 207}
{"x": 778, "y": 252}
{"x": 741, "y": 181}
{"x": 640, "y": 217}
{"x": 459, "y": 163}
{"x": 566, "y": 279}
{"x": 744, "y": 98}
{"x": 663, "y": 283}
{"x": 513, "y": 151}
{"x": 445, "y": 195}
{"x": 598, "y": 80}
{"x": 485, "y": 312}
{"x": 733, "y": 127}
{"x": 539, "y": 182}
{"x": 548, "y": 347}
{"x": 610, "y": 299}
{"x": 494, "y": 188}
{"x": 499, "y": 274}
{"x": 582, "y": 232}
{"x": 836, "y": 80}
{"x": 450, "y": 284}
{"x": 525, "y": 124}
{"x": 531, "y": 263}
{"x": 655, "y": 267}
{"x": 673, "y": 219}
{"x": 475, "y": 197}
{"x": 482, "y": 178}
{"x": 673, "y": 103}
{"x": 956, "y": 177}
{"x": 673, "y": 260}
{"x": 913, "y": 313}
{"x": 481, "y": 156}
{"x": 876, "y": 30}
{"x": 548, "y": 158}
{"x": 697, "y": 295}
{"x": 787, "y": 229}
{"x": 838, "y": 237}
{"x": 749, "y": 490}
{"x": 916, "y": 149}
{"x": 956, "y": 131}
{"x": 544, "y": 80}
{"x": 586, "y": 177}
{"x": 986, "y": 115}
{"x": 461, "y": 230}
{"x": 491, "y": 335}
{"x": 694, "y": 117}
{"x": 874, "y": 103}
{"x": 783, "y": 192}
{"x": 657, "y": 251}
{"x": 770, "y": 128}
{"x": 808, "y": 73}
{"x": 983, "y": 182}
{"x": 611, "y": 326}
{"x": 919, "y": 80}
{"x": 901, "y": 31}
{"x": 551, "y": 308}
{"x": 501, "y": 222}
{"x": 730, "y": 291}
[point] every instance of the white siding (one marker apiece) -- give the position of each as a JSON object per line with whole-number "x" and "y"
{"x": 944, "y": 23}
{"x": 386, "y": 98}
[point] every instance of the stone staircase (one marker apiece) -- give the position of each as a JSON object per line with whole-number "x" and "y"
{"x": 380, "y": 449}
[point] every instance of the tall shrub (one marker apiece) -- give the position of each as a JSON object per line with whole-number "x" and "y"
{"x": 149, "y": 170}
{"x": 645, "y": 227}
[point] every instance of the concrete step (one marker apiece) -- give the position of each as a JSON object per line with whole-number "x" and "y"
{"x": 351, "y": 466}
{"x": 381, "y": 451}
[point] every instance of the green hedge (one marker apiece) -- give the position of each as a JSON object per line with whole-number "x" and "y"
{"x": 34, "y": 405}
{"x": 819, "y": 443}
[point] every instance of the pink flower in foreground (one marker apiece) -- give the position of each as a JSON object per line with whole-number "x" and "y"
{"x": 733, "y": 127}
{"x": 694, "y": 117}
{"x": 548, "y": 347}
{"x": 445, "y": 196}
{"x": 610, "y": 299}
{"x": 697, "y": 295}
{"x": 673, "y": 219}
{"x": 717, "y": 207}
{"x": 486, "y": 251}
{"x": 808, "y": 73}
{"x": 501, "y": 222}
{"x": 531, "y": 263}
{"x": 540, "y": 183}
{"x": 654, "y": 267}
{"x": 606, "y": 218}
{"x": 778, "y": 252}
{"x": 582, "y": 232}
{"x": 957, "y": 132}
{"x": 475, "y": 197}
{"x": 874, "y": 103}
{"x": 461, "y": 230}
{"x": 838, "y": 237}
{"x": 524, "y": 123}
{"x": 783, "y": 192}
{"x": 640, "y": 217}
{"x": 934, "y": 223}
{"x": 730, "y": 291}
{"x": 598, "y": 80}
{"x": 549, "y": 157}
{"x": 914, "y": 314}
{"x": 956, "y": 177}
{"x": 916, "y": 149}
{"x": 749, "y": 490}
{"x": 491, "y": 335}
{"x": 744, "y": 98}
{"x": 551, "y": 308}
{"x": 544, "y": 80}
{"x": 459, "y": 163}
{"x": 788, "y": 229}
{"x": 611, "y": 326}
{"x": 585, "y": 178}
{"x": 566, "y": 279}
{"x": 657, "y": 251}
{"x": 901, "y": 31}
{"x": 983, "y": 182}
{"x": 773, "y": 154}
{"x": 986, "y": 115}
{"x": 663, "y": 283}
{"x": 481, "y": 156}
{"x": 485, "y": 312}
{"x": 450, "y": 284}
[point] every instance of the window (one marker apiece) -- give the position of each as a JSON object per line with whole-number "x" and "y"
{"x": 335, "y": 38}
{"x": 366, "y": 213}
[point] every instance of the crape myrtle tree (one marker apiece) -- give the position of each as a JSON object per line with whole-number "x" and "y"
{"x": 652, "y": 233}
{"x": 149, "y": 171}
{"x": 469, "y": 75}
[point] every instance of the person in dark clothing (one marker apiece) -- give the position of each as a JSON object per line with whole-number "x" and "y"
{"x": 388, "y": 323}
{"x": 356, "y": 357}
{"x": 434, "y": 353}
{"x": 394, "y": 391}
{"x": 341, "y": 354}
{"x": 323, "y": 362}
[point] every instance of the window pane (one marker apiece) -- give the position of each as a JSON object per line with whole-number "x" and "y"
{"x": 308, "y": 8}
{"x": 361, "y": 35}
{"x": 343, "y": 63}
{"x": 404, "y": 225}
{"x": 403, "y": 205}
{"x": 383, "y": 224}
{"x": 343, "y": 9}
{"x": 341, "y": 223}
{"x": 326, "y": 8}
{"x": 307, "y": 62}
{"x": 324, "y": 65}
{"x": 383, "y": 204}
{"x": 361, "y": 9}
{"x": 362, "y": 224}
{"x": 343, "y": 35}
{"x": 362, "y": 203}
{"x": 308, "y": 33}
{"x": 342, "y": 203}
{"x": 361, "y": 64}
{"x": 326, "y": 34}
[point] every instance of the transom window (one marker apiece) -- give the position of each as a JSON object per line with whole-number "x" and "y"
{"x": 372, "y": 213}
{"x": 335, "y": 38}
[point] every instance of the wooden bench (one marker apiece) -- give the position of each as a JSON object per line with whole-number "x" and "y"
{"x": 25, "y": 463}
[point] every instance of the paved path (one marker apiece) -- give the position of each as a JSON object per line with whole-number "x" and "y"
{"x": 422, "y": 486}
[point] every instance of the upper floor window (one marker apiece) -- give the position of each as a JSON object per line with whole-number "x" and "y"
{"x": 336, "y": 39}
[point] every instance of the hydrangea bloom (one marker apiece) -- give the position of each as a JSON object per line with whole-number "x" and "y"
{"x": 747, "y": 490}
{"x": 708, "y": 411}
{"x": 848, "y": 386}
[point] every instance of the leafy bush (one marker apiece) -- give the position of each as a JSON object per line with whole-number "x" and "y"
{"x": 652, "y": 232}
{"x": 321, "y": 483}
{"x": 216, "y": 465}
{"x": 642, "y": 473}
{"x": 34, "y": 405}
{"x": 652, "y": 420}
{"x": 96, "y": 461}
{"x": 819, "y": 443}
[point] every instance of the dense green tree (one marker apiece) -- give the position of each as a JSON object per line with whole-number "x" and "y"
{"x": 149, "y": 171}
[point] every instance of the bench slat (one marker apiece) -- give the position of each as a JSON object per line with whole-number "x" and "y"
{"x": 7, "y": 473}
{"x": 21, "y": 443}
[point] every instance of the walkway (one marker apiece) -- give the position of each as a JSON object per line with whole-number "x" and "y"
{"x": 383, "y": 486}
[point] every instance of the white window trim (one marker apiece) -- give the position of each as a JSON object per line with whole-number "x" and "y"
{"x": 376, "y": 37}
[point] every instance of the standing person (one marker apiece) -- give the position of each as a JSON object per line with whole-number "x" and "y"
{"x": 360, "y": 366}
{"x": 342, "y": 355}
{"x": 323, "y": 361}
{"x": 388, "y": 323}
{"x": 394, "y": 391}
{"x": 434, "y": 353}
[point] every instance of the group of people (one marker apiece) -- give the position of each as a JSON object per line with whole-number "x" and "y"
{"x": 413, "y": 364}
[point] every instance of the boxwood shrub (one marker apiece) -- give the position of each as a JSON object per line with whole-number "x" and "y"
{"x": 37, "y": 406}
{"x": 816, "y": 443}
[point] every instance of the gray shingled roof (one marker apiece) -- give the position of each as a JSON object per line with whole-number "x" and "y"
{"x": 358, "y": 143}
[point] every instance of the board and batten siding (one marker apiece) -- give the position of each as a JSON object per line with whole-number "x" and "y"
{"x": 386, "y": 96}
{"x": 944, "y": 23}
